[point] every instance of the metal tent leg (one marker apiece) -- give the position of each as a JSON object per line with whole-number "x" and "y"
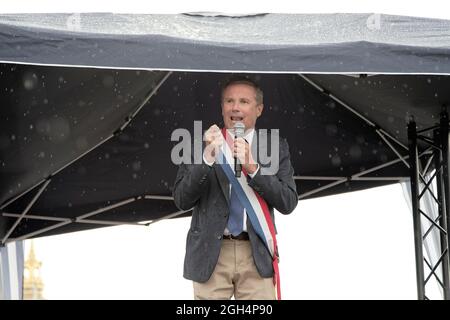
{"x": 445, "y": 202}
{"x": 414, "y": 172}
{"x": 440, "y": 144}
{"x": 442, "y": 212}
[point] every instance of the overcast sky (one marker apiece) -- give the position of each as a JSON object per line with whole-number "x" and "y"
{"x": 353, "y": 246}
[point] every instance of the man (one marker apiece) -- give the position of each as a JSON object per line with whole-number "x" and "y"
{"x": 224, "y": 254}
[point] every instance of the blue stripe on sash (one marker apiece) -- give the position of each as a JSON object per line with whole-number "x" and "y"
{"x": 243, "y": 198}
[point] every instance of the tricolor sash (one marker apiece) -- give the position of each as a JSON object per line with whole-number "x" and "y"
{"x": 254, "y": 204}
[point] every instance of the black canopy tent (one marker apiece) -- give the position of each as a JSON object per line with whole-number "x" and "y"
{"x": 89, "y": 102}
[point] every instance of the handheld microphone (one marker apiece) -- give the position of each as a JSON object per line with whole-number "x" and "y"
{"x": 239, "y": 130}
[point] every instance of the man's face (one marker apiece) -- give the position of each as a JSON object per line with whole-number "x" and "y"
{"x": 239, "y": 105}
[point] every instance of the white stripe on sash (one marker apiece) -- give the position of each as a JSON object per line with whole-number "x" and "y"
{"x": 248, "y": 199}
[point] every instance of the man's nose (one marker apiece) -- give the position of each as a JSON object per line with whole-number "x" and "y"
{"x": 235, "y": 107}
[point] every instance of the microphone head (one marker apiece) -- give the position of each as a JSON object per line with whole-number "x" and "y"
{"x": 239, "y": 129}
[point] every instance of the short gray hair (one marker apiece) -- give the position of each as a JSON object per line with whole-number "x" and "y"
{"x": 244, "y": 80}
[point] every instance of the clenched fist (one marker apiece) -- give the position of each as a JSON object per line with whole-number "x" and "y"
{"x": 214, "y": 140}
{"x": 242, "y": 151}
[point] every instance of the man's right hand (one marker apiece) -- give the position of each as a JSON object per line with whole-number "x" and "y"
{"x": 214, "y": 140}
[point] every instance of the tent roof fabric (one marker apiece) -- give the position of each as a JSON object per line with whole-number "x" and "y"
{"x": 307, "y": 43}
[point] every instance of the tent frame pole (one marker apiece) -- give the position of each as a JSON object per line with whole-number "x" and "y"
{"x": 440, "y": 145}
{"x": 415, "y": 205}
{"x": 354, "y": 177}
{"x": 445, "y": 193}
{"x": 25, "y": 211}
{"x": 83, "y": 218}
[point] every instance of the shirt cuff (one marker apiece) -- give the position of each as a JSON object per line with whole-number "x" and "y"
{"x": 208, "y": 163}
{"x": 252, "y": 175}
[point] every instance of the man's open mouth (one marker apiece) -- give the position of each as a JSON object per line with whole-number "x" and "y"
{"x": 237, "y": 118}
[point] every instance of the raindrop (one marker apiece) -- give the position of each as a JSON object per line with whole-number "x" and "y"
{"x": 336, "y": 160}
{"x": 355, "y": 152}
{"x": 57, "y": 129}
{"x": 30, "y": 81}
{"x": 81, "y": 143}
{"x": 331, "y": 129}
{"x": 136, "y": 165}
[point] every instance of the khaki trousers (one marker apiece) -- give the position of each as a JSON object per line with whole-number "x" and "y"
{"x": 235, "y": 274}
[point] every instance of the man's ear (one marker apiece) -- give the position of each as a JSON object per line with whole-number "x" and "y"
{"x": 259, "y": 109}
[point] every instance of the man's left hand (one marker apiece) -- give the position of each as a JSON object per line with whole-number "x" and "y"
{"x": 241, "y": 150}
